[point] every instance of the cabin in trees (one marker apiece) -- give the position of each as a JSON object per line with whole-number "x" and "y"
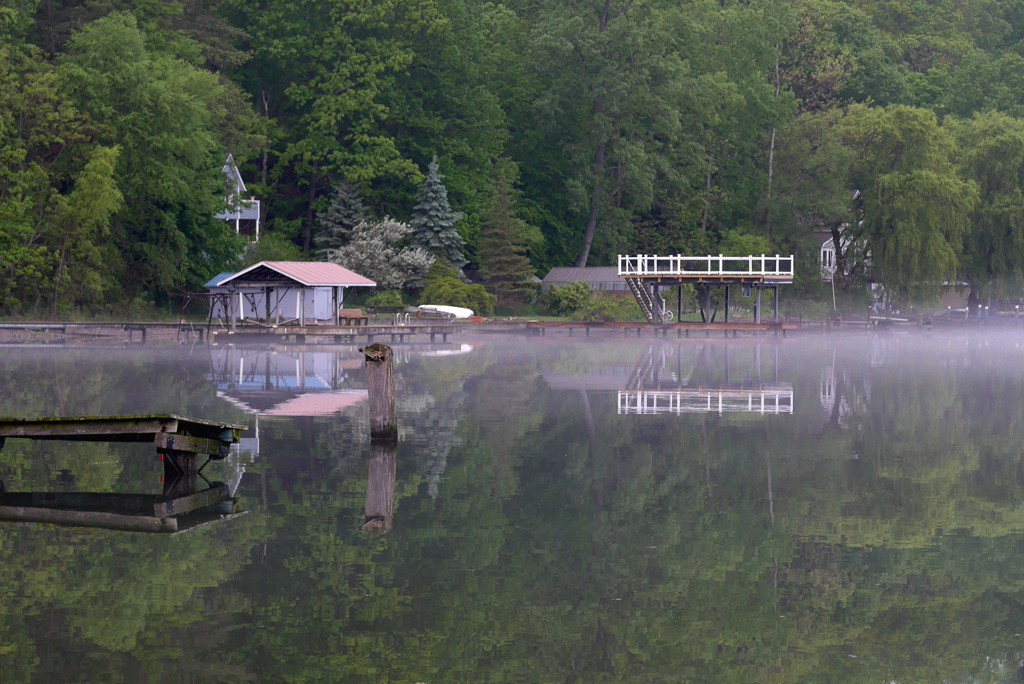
{"x": 597, "y": 278}
{"x": 242, "y": 214}
{"x": 275, "y": 291}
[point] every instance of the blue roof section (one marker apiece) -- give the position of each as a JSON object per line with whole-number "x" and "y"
{"x": 219, "y": 278}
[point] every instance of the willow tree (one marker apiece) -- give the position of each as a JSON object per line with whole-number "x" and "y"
{"x": 992, "y": 154}
{"x": 914, "y": 205}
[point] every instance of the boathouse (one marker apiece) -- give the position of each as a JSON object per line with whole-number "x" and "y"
{"x": 597, "y": 278}
{"x": 275, "y": 291}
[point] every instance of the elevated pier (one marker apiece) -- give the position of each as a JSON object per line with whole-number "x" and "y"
{"x": 646, "y": 273}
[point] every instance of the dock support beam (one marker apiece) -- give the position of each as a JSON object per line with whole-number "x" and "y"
{"x": 757, "y": 306}
{"x": 776, "y": 288}
{"x": 726, "y": 303}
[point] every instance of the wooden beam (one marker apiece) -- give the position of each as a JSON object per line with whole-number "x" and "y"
{"x": 184, "y": 504}
{"x": 42, "y": 428}
{"x": 195, "y": 445}
{"x": 113, "y": 521}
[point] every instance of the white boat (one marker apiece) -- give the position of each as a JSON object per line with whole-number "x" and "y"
{"x": 452, "y": 311}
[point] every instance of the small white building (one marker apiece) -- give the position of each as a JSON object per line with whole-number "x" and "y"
{"x": 275, "y": 291}
{"x": 243, "y": 214}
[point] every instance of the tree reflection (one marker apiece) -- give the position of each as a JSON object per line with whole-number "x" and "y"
{"x": 874, "y": 534}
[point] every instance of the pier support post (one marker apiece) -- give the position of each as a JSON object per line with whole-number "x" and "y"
{"x": 726, "y": 303}
{"x": 380, "y": 388}
{"x": 707, "y": 304}
{"x": 181, "y": 472}
{"x": 776, "y": 288}
{"x": 757, "y": 306}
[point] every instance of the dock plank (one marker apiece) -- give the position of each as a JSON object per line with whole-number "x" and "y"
{"x": 138, "y": 428}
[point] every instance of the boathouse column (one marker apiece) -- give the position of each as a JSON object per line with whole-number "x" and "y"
{"x": 334, "y": 305}
{"x": 266, "y": 298}
{"x": 231, "y": 309}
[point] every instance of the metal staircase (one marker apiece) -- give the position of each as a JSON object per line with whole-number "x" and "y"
{"x": 654, "y": 309}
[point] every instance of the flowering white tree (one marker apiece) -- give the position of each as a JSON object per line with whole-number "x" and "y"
{"x": 373, "y": 251}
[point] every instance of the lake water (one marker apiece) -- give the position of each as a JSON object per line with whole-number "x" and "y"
{"x": 818, "y": 509}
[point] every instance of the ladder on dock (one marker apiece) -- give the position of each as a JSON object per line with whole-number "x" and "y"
{"x": 652, "y": 305}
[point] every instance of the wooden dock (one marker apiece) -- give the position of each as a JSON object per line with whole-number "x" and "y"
{"x": 337, "y": 334}
{"x": 683, "y": 329}
{"x": 65, "y": 330}
{"x": 179, "y": 442}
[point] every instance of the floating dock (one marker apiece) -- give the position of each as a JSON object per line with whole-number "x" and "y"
{"x": 179, "y": 441}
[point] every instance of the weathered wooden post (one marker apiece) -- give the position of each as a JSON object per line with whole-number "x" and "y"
{"x": 380, "y": 485}
{"x": 380, "y": 386}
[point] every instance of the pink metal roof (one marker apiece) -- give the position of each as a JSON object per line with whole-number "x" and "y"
{"x": 310, "y": 274}
{"x": 317, "y": 404}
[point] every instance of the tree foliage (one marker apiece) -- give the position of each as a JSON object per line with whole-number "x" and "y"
{"x": 504, "y": 267}
{"x": 626, "y": 127}
{"x": 336, "y": 224}
{"x": 375, "y": 251}
{"x": 433, "y": 221}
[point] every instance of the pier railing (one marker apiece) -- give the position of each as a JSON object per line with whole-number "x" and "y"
{"x": 646, "y": 402}
{"x": 653, "y": 265}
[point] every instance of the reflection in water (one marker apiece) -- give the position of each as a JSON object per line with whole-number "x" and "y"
{"x": 873, "y": 534}
{"x": 380, "y": 489}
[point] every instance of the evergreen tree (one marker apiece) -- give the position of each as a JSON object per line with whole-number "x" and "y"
{"x": 335, "y": 226}
{"x": 433, "y": 221}
{"x": 503, "y": 263}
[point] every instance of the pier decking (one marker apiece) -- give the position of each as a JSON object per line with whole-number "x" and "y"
{"x": 64, "y": 330}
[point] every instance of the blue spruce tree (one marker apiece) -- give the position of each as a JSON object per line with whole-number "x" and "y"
{"x": 433, "y": 221}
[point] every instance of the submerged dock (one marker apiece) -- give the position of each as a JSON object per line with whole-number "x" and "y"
{"x": 179, "y": 442}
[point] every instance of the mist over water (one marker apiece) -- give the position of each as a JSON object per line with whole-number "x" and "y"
{"x": 828, "y": 508}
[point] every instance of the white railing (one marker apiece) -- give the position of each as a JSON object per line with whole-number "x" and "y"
{"x": 678, "y": 265}
{"x": 644, "y": 402}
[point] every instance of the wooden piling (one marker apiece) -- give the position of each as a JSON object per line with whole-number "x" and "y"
{"x": 380, "y": 386}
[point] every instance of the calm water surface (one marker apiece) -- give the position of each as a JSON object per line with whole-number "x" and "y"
{"x": 810, "y": 510}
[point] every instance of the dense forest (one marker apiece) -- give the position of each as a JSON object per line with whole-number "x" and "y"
{"x": 565, "y": 131}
